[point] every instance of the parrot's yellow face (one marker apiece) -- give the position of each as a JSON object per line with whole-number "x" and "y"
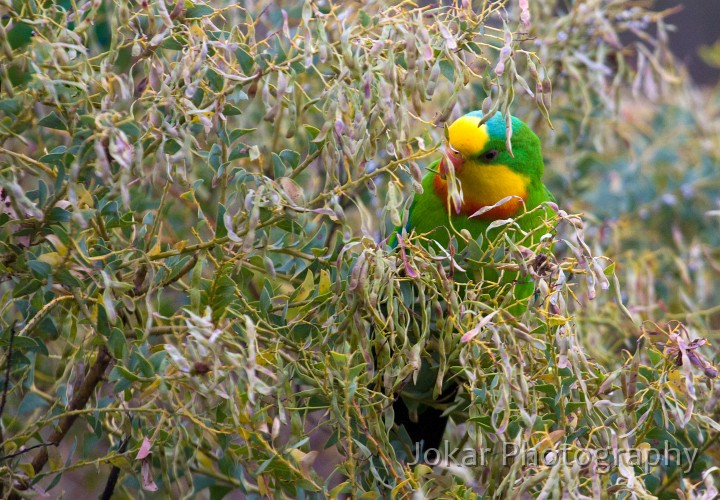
{"x": 467, "y": 138}
{"x": 486, "y": 172}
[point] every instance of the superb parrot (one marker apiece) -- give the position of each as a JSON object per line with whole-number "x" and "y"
{"x": 494, "y": 183}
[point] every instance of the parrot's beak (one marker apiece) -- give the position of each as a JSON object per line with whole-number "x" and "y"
{"x": 455, "y": 158}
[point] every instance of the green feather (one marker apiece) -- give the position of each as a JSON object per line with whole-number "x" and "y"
{"x": 429, "y": 213}
{"x": 429, "y": 216}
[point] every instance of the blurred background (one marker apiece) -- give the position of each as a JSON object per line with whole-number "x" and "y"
{"x": 696, "y": 34}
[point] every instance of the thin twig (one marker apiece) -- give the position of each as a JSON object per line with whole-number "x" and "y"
{"x": 5, "y": 391}
{"x": 25, "y": 450}
{"x": 114, "y": 472}
{"x": 7, "y": 370}
{"x": 29, "y": 161}
{"x": 308, "y": 160}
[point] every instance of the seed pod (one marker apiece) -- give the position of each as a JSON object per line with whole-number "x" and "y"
{"x": 356, "y": 273}
{"x": 410, "y": 51}
{"x": 270, "y": 109}
{"x": 306, "y": 12}
{"x": 282, "y": 83}
{"x": 487, "y": 84}
{"x": 155, "y": 118}
{"x": 486, "y": 105}
{"x": 347, "y": 54}
{"x": 389, "y": 68}
{"x": 532, "y": 68}
{"x": 433, "y": 80}
{"x": 409, "y": 83}
{"x": 123, "y": 15}
{"x": 375, "y": 49}
{"x": 449, "y": 105}
{"x": 292, "y": 123}
{"x": 322, "y": 52}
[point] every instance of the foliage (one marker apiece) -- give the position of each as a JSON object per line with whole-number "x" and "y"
{"x": 196, "y": 205}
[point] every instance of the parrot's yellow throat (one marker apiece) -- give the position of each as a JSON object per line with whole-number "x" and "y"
{"x": 483, "y": 184}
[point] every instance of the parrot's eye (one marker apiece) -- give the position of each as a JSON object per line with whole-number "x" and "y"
{"x": 490, "y": 155}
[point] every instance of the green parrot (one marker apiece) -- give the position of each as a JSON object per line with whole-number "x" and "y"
{"x": 493, "y": 183}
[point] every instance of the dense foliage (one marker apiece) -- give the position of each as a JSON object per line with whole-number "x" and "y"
{"x": 197, "y": 290}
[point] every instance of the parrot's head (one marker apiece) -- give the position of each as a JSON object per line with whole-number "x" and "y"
{"x": 487, "y": 172}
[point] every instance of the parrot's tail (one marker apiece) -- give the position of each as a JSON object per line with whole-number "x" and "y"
{"x": 427, "y": 433}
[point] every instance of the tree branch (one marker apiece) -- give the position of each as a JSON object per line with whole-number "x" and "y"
{"x": 5, "y": 391}
{"x": 93, "y": 377}
{"x": 7, "y": 372}
{"x": 82, "y": 396}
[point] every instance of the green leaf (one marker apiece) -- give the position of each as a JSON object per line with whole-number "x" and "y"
{"x": 103, "y": 325}
{"x": 573, "y": 406}
{"x": 199, "y": 11}
{"x": 237, "y": 95}
{"x": 477, "y": 49}
{"x": 58, "y": 214}
{"x": 146, "y": 368}
{"x": 447, "y": 70}
{"x": 41, "y": 270}
{"x": 365, "y": 19}
{"x": 278, "y": 166}
{"x": 30, "y": 403}
{"x": 26, "y": 287}
{"x": 216, "y": 81}
{"x": 131, "y": 129}
{"x": 177, "y": 42}
{"x": 290, "y": 158}
{"x": 53, "y": 120}
{"x": 157, "y": 359}
{"x": 117, "y": 344}
{"x": 54, "y": 482}
{"x": 19, "y": 75}
{"x": 264, "y": 465}
{"x": 266, "y": 297}
{"x": 11, "y": 106}
{"x": 215, "y": 157}
{"x": 222, "y": 292}
{"x": 20, "y": 34}
{"x": 53, "y": 158}
{"x": 239, "y": 151}
{"x": 654, "y": 356}
{"x": 548, "y": 389}
{"x": 312, "y": 132}
{"x": 245, "y": 60}
{"x": 220, "y": 229}
{"x": 126, "y": 374}
{"x": 25, "y": 344}
{"x": 64, "y": 277}
{"x": 230, "y": 110}
{"x": 239, "y": 132}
